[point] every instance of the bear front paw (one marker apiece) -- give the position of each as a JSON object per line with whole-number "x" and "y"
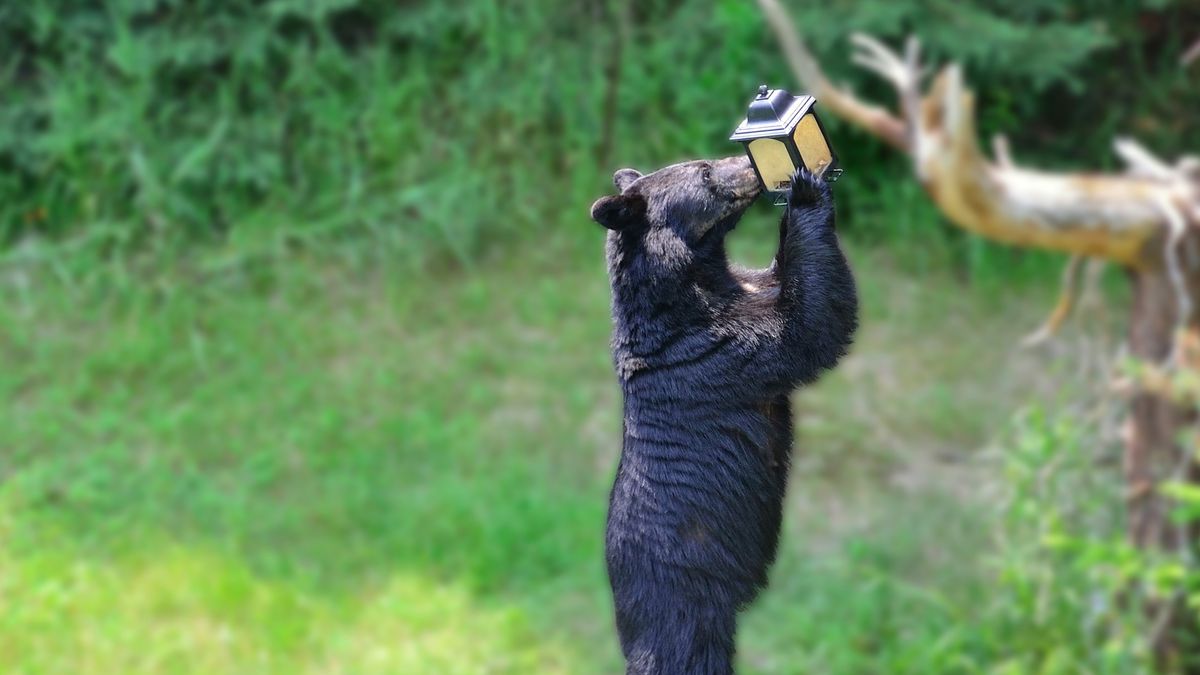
{"x": 807, "y": 189}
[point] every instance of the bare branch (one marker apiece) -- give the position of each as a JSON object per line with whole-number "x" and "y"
{"x": 1141, "y": 161}
{"x": 877, "y": 57}
{"x": 1171, "y": 253}
{"x": 905, "y": 75}
{"x": 1062, "y": 308}
{"x": 1000, "y": 152}
{"x": 1093, "y": 215}
{"x": 874, "y": 119}
{"x": 1190, "y": 55}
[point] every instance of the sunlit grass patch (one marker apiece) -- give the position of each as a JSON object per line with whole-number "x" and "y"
{"x": 176, "y": 609}
{"x": 313, "y": 468}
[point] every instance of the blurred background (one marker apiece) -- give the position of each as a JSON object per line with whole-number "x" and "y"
{"x": 303, "y": 336}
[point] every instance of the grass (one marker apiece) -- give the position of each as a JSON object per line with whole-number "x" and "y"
{"x": 238, "y": 434}
{"x": 307, "y": 467}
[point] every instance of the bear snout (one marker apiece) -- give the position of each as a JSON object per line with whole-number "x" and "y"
{"x": 738, "y": 176}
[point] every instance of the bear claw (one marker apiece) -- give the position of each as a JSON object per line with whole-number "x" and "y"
{"x": 807, "y": 189}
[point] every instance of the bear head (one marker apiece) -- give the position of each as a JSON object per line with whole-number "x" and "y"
{"x": 691, "y": 203}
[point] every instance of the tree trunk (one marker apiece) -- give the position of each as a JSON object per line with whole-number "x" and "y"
{"x": 1154, "y": 453}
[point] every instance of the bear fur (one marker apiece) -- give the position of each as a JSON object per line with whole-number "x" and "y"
{"x": 707, "y": 354}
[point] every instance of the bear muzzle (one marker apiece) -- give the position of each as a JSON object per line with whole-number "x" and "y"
{"x": 737, "y": 176}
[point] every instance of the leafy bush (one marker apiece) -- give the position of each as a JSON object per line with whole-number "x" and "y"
{"x": 1074, "y": 594}
{"x": 270, "y": 123}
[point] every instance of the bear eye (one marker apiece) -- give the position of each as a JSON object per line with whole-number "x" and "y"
{"x": 706, "y": 176}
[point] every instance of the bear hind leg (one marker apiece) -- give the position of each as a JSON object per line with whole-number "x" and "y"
{"x": 691, "y": 637}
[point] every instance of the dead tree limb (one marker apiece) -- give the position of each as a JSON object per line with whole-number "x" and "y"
{"x": 1111, "y": 216}
{"x": 1145, "y": 220}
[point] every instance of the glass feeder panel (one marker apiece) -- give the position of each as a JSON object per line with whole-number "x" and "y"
{"x": 774, "y": 164}
{"x": 811, "y": 143}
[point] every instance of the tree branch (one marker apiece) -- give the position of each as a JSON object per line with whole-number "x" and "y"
{"x": 1062, "y": 308}
{"x": 878, "y": 121}
{"x": 1095, "y": 215}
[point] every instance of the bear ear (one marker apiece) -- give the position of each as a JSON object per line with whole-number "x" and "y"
{"x": 623, "y": 178}
{"x": 617, "y": 212}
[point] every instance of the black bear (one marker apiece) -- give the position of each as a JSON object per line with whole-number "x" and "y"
{"x": 707, "y": 354}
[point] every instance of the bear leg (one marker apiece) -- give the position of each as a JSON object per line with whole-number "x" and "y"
{"x": 668, "y": 631}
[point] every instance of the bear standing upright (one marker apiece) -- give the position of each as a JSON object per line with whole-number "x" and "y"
{"x": 707, "y": 354}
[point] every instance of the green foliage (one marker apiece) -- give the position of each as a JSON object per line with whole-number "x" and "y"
{"x": 1060, "y": 78}
{"x": 274, "y": 120}
{"x": 1060, "y": 540}
{"x": 228, "y": 445}
{"x": 309, "y": 470}
{"x": 316, "y": 468}
{"x": 448, "y": 129}
{"x": 1070, "y": 576}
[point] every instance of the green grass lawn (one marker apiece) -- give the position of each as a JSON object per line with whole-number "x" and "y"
{"x": 309, "y": 468}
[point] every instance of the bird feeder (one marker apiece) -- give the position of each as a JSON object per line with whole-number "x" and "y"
{"x": 783, "y": 133}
